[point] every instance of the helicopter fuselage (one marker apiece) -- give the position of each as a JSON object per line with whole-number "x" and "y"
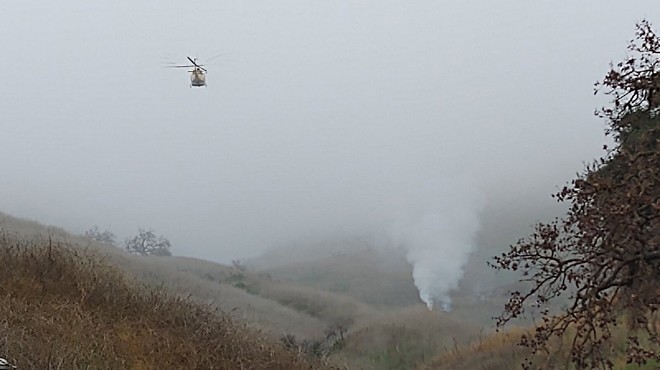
{"x": 197, "y": 78}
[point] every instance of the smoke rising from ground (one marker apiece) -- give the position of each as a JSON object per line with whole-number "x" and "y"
{"x": 439, "y": 239}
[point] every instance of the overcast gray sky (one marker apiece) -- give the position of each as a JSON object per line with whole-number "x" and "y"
{"x": 321, "y": 117}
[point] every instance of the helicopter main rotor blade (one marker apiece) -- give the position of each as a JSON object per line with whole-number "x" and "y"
{"x": 178, "y": 66}
{"x": 194, "y": 62}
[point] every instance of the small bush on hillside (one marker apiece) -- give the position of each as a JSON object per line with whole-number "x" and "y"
{"x": 106, "y": 236}
{"x": 317, "y": 348}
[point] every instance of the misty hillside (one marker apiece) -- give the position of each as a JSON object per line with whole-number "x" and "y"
{"x": 349, "y": 300}
{"x": 368, "y": 327}
{"x": 379, "y": 277}
{"x": 183, "y": 276}
{"x": 65, "y": 308}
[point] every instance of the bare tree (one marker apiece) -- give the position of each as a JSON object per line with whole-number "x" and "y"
{"x": 101, "y": 236}
{"x": 337, "y": 332}
{"x": 146, "y": 243}
{"x": 604, "y": 255}
{"x": 238, "y": 265}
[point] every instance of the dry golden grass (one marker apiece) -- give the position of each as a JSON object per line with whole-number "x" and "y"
{"x": 205, "y": 283}
{"x": 69, "y": 323}
{"x": 494, "y": 352}
{"x": 501, "y": 351}
{"x": 404, "y": 338}
{"x": 327, "y": 306}
{"x": 377, "y": 276}
{"x": 63, "y": 308}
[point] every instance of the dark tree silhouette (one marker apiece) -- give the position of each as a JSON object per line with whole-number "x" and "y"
{"x": 101, "y": 236}
{"x": 604, "y": 255}
{"x": 146, "y": 243}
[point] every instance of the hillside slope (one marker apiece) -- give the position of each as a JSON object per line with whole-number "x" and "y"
{"x": 373, "y": 333}
{"x": 63, "y": 308}
{"x": 182, "y": 276}
{"x": 376, "y": 276}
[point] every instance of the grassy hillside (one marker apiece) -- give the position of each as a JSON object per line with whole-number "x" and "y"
{"x": 184, "y": 277}
{"x": 494, "y": 352}
{"x": 210, "y": 283}
{"x": 64, "y": 308}
{"x": 390, "y": 328}
{"x": 500, "y": 351}
{"x": 405, "y": 338}
{"x": 347, "y": 302}
{"x": 377, "y": 276}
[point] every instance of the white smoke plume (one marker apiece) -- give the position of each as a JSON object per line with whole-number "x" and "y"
{"x": 439, "y": 240}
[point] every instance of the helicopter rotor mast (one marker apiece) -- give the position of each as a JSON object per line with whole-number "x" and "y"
{"x": 194, "y": 62}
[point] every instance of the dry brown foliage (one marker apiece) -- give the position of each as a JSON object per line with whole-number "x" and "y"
{"x": 495, "y": 352}
{"x": 605, "y": 254}
{"x": 63, "y": 308}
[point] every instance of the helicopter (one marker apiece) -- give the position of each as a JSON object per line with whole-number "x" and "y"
{"x": 197, "y": 73}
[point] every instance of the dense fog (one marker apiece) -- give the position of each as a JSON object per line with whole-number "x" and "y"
{"x": 396, "y": 120}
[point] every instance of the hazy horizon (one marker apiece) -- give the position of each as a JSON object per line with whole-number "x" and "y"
{"x": 320, "y": 118}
